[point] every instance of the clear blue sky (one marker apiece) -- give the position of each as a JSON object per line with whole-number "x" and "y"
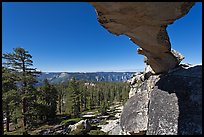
{"x": 66, "y": 36}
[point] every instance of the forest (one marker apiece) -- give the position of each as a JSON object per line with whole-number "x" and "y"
{"x": 26, "y": 106}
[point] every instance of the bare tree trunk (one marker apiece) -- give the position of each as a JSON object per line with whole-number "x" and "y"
{"x": 60, "y": 104}
{"x": 7, "y": 118}
{"x": 24, "y": 117}
{"x": 2, "y": 122}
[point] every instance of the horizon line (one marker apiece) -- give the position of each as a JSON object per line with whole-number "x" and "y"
{"x": 84, "y": 71}
{"x": 136, "y": 70}
{"x": 81, "y": 71}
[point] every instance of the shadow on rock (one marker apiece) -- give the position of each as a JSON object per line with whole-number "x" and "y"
{"x": 176, "y": 103}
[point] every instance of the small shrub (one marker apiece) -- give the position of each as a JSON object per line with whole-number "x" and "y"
{"x": 73, "y": 120}
{"x": 97, "y": 132}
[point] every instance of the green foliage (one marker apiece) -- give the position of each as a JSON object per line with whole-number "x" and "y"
{"x": 22, "y": 101}
{"x": 16, "y": 132}
{"x": 96, "y": 132}
{"x": 19, "y": 63}
{"x": 74, "y": 89}
{"x": 49, "y": 99}
{"x": 102, "y": 122}
{"x": 82, "y": 96}
{"x": 94, "y": 111}
{"x": 103, "y": 109}
{"x": 71, "y": 120}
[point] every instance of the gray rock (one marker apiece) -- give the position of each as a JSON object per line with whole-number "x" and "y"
{"x": 110, "y": 126}
{"x": 116, "y": 131}
{"x": 93, "y": 121}
{"x": 83, "y": 124}
{"x": 42, "y": 132}
{"x": 134, "y": 117}
{"x": 178, "y": 55}
{"x": 60, "y": 132}
{"x": 167, "y": 104}
{"x": 176, "y": 103}
{"x": 58, "y": 127}
{"x": 163, "y": 113}
{"x": 135, "y": 83}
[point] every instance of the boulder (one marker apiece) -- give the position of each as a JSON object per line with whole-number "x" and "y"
{"x": 166, "y": 104}
{"x": 58, "y": 127}
{"x": 134, "y": 117}
{"x": 176, "y": 103}
{"x": 116, "y": 131}
{"x": 94, "y": 121}
{"x": 110, "y": 126}
{"x": 82, "y": 126}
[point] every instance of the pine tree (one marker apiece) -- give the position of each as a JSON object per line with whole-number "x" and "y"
{"x": 103, "y": 108}
{"x": 9, "y": 97}
{"x": 49, "y": 99}
{"x": 91, "y": 101}
{"x": 20, "y": 61}
{"x": 98, "y": 97}
{"x": 83, "y": 90}
{"x": 74, "y": 88}
{"x": 61, "y": 93}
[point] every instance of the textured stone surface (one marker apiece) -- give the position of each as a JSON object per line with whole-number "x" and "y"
{"x": 110, "y": 126}
{"x": 134, "y": 118}
{"x": 135, "y": 82}
{"x": 167, "y": 104}
{"x": 176, "y": 103}
{"x": 113, "y": 125}
{"x": 83, "y": 124}
{"x": 163, "y": 113}
{"x": 145, "y": 23}
{"x": 170, "y": 103}
{"x": 116, "y": 131}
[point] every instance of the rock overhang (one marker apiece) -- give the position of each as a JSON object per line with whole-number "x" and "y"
{"x": 145, "y": 24}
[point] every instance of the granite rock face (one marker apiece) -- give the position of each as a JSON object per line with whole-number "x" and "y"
{"x": 166, "y": 104}
{"x": 145, "y": 24}
{"x": 134, "y": 118}
{"x": 176, "y": 103}
{"x": 165, "y": 99}
{"x": 116, "y": 131}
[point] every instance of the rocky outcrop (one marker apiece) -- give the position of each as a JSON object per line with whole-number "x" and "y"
{"x": 113, "y": 122}
{"x": 166, "y": 97}
{"x": 176, "y": 103}
{"x": 134, "y": 118}
{"x": 166, "y": 104}
{"x": 116, "y": 131}
{"x": 82, "y": 126}
{"x": 145, "y": 24}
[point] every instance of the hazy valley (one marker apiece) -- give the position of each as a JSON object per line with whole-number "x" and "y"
{"x": 60, "y": 77}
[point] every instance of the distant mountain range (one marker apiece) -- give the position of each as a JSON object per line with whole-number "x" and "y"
{"x": 60, "y": 77}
